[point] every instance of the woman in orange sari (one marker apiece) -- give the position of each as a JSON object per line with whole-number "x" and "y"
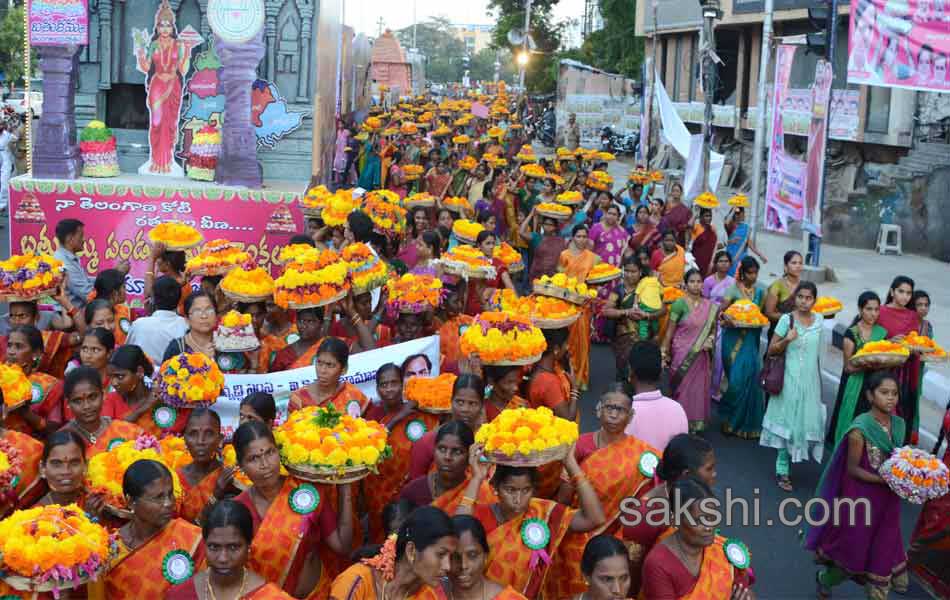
{"x": 57, "y": 345}
{"x": 156, "y": 550}
{"x": 505, "y": 381}
{"x": 84, "y": 395}
{"x": 549, "y": 384}
{"x": 331, "y": 360}
{"x": 406, "y": 426}
{"x": 277, "y": 333}
{"x": 205, "y": 479}
{"x": 619, "y": 467}
{"x": 128, "y": 370}
{"x": 449, "y": 331}
{"x": 312, "y": 327}
{"x": 227, "y": 534}
{"x": 468, "y": 406}
{"x": 25, "y": 349}
{"x": 30, "y": 485}
{"x": 669, "y": 261}
{"x": 521, "y": 547}
{"x": 410, "y": 564}
{"x": 576, "y": 262}
{"x": 690, "y": 561}
{"x": 110, "y": 285}
{"x": 293, "y": 520}
{"x": 468, "y": 581}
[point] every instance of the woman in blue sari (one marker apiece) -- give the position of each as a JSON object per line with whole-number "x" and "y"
{"x": 740, "y": 241}
{"x": 743, "y": 404}
{"x": 369, "y": 175}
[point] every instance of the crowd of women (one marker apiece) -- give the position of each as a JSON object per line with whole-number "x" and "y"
{"x": 436, "y": 521}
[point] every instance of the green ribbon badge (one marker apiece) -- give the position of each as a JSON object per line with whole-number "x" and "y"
{"x": 177, "y": 567}
{"x": 304, "y": 499}
{"x": 649, "y": 461}
{"x": 114, "y": 442}
{"x": 292, "y": 338}
{"x": 36, "y": 393}
{"x": 535, "y": 534}
{"x": 124, "y": 325}
{"x": 225, "y": 362}
{"x": 164, "y": 416}
{"x": 737, "y": 553}
{"x": 415, "y": 429}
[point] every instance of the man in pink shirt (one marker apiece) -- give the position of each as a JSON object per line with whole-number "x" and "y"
{"x": 656, "y": 418}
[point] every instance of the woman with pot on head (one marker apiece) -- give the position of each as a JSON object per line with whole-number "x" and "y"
{"x": 795, "y": 420}
{"x": 296, "y": 528}
{"x": 331, "y": 359}
{"x": 742, "y": 406}
{"x": 205, "y": 479}
{"x": 850, "y": 400}
{"x": 618, "y": 467}
{"x": 687, "y": 346}
{"x": 739, "y": 241}
{"x": 84, "y": 396}
{"x": 479, "y": 290}
{"x": 25, "y": 349}
{"x": 411, "y": 564}
{"x": 576, "y": 262}
{"x": 228, "y": 533}
{"x": 714, "y": 288}
{"x": 406, "y": 426}
{"x": 468, "y": 406}
{"x": 467, "y": 580}
{"x": 156, "y": 550}
{"x": 704, "y": 242}
{"x": 780, "y": 297}
{"x": 899, "y": 317}
{"x": 515, "y": 518}
{"x": 677, "y": 217}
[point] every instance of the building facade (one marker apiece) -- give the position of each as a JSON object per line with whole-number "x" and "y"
{"x": 475, "y": 37}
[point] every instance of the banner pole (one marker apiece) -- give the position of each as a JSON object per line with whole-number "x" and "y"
{"x": 28, "y": 103}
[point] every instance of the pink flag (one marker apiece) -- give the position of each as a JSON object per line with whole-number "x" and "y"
{"x": 479, "y": 110}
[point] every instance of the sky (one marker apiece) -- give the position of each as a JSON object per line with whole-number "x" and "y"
{"x": 396, "y": 14}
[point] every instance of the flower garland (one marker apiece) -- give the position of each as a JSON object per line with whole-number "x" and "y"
{"x": 322, "y": 438}
{"x": 190, "y": 380}
{"x": 106, "y": 469}
{"x": 501, "y": 337}
{"x": 16, "y": 387}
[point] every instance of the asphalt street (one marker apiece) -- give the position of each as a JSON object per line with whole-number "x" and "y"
{"x": 783, "y": 569}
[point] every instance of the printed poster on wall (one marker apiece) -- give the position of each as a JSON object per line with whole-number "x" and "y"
{"x": 58, "y": 22}
{"x": 843, "y": 122}
{"x": 900, "y": 43}
{"x": 785, "y": 183}
{"x": 817, "y": 140}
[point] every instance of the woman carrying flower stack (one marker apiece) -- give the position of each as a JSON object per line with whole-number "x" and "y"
{"x": 453, "y": 321}
{"x": 609, "y": 240}
{"x": 867, "y": 544}
{"x": 25, "y": 350}
{"x": 296, "y": 527}
{"x": 899, "y": 317}
{"x": 84, "y": 395}
{"x": 29, "y": 453}
{"x": 479, "y": 289}
{"x": 202, "y": 315}
{"x": 156, "y": 550}
{"x": 690, "y": 338}
{"x": 576, "y": 262}
{"x": 850, "y": 400}
{"x": 519, "y": 519}
{"x": 331, "y": 360}
{"x": 205, "y": 479}
{"x": 406, "y": 426}
{"x": 618, "y": 466}
{"x": 227, "y": 534}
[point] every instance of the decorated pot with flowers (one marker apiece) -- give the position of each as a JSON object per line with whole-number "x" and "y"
{"x": 367, "y": 271}
{"x": 235, "y": 333}
{"x": 707, "y": 200}
{"x": 431, "y": 394}
{"x": 204, "y": 152}
{"x": 25, "y": 277}
{"x": 527, "y": 437}
{"x": 97, "y": 148}
{"x": 413, "y": 294}
{"x": 189, "y": 380}
{"x": 315, "y": 200}
{"x": 339, "y": 207}
{"x": 248, "y": 284}
{"x": 501, "y": 338}
{"x": 175, "y": 236}
{"x": 388, "y": 217}
{"x": 314, "y": 279}
{"x": 217, "y": 257}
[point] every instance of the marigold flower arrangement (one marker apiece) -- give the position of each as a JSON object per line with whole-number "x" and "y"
{"x": 603, "y": 272}
{"x": 462, "y": 121}
{"x": 317, "y": 441}
{"x": 372, "y": 123}
{"x": 706, "y": 200}
{"x": 293, "y": 252}
{"x": 431, "y": 394}
{"x": 656, "y": 176}
{"x": 827, "y": 306}
{"x": 27, "y": 276}
{"x": 248, "y": 285}
{"x": 553, "y": 210}
{"x": 557, "y": 179}
{"x": 605, "y": 156}
{"x": 509, "y": 256}
{"x": 315, "y": 200}
{"x": 54, "y": 547}
{"x": 423, "y": 199}
{"x": 501, "y": 338}
{"x": 638, "y": 175}
{"x": 461, "y": 139}
{"x": 97, "y": 146}
{"x": 744, "y": 313}
{"x": 106, "y": 469}
{"x": 571, "y": 198}
{"x": 521, "y": 434}
{"x": 560, "y": 285}
{"x": 217, "y": 257}
{"x": 408, "y": 129}
{"x": 739, "y": 201}
{"x": 11, "y": 465}
{"x": 468, "y": 163}
{"x": 174, "y": 452}
{"x": 388, "y": 218}
{"x": 457, "y": 204}
{"x": 383, "y": 195}
{"x": 17, "y": 389}
{"x": 233, "y": 318}
{"x": 175, "y": 236}
{"x": 883, "y": 347}
{"x": 496, "y": 132}
{"x": 367, "y": 272}
{"x": 426, "y": 117}
{"x": 190, "y": 380}
{"x": 341, "y": 204}
{"x": 468, "y": 261}
{"x": 414, "y": 293}
{"x": 599, "y": 180}
{"x": 919, "y": 343}
{"x": 314, "y": 279}
{"x": 532, "y": 170}
{"x": 412, "y": 172}
{"x": 565, "y": 154}
{"x": 526, "y": 154}
{"x": 671, "y": 294}
{"x": 916, "y": 475}
{"x": 442, "y": 131}
{"x": 466, "y": 231}
{"x": 390, "y": 132}
{"x": 535, "y": 307}
{"x": 495, "y": 161}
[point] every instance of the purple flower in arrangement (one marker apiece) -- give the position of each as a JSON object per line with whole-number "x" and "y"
{"x": 146, "y": 441}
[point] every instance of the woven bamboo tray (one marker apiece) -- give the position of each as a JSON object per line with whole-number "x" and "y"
{"x": 30, "y": 584}
{"x": 467, "y": 271}
{"x": 934, "y": 358}
{"x": 879, "y": 360}
{"x": 305, "y": 305}
{"x": 456, "y": 208}
{"x": 312, "y": 212}
{"x": 210, "y": 271}
{"x": 328, "y": 476}
{"x": 34, "y": 296}
{"x": 246, "y": 297}
{"x": 554, "y": 215}
{"x": 920, "y": 349}
{"x": 535, "y": 459}
{"x": 730, "y": 322}
{"x": 514, "y": 363}
{"x": 555, "y": 323}
{"x": 434, "y": 411}
{"x": 427, "y": 203}
{"x": 557, "y": 292}
{"x": 176, "y": 247}
{"x": 464, "y": 240}
{"x": 604, "y": 279}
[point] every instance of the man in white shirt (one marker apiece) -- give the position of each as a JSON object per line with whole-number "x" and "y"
{"x": 153, "y": 333}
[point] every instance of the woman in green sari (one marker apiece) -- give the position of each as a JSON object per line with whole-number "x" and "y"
{"x": 743, "y": 405}
{"x": 622, "y": 307}
{"x": 850, "y": 400}
{"x": 370, "y": 171}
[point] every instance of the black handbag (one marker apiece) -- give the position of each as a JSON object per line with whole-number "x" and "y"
{"x": 772, "y": 375}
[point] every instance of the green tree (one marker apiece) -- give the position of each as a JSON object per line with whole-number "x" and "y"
{"x": 614, "y": 48}
{"x": 483, "y": 65}
{"x": 546, "y": 36}
{"x": 443, "y": 51}
{"x": 11, "y": 46}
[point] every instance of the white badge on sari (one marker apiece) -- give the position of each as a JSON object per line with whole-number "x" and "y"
{"x": 649, "y": 461}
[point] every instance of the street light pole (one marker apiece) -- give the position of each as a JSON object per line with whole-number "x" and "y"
{"x": 524, "y": 44}
{"x": 710, "y": 14}
{"x": 760, "y": 132}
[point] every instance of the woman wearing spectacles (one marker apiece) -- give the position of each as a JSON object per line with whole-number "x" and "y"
{"x": 202, "y": 315}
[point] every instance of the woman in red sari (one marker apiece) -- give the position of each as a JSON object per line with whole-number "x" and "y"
{"x": 312, "y": 327}
{"x": 704, "y": 242}
{"x": 25, "y": 349}
{"x": 331, "y": 359}
{"x": 645, "y": 233}
{"x": 205, "y": 479}
{"x": 467, "y": 580}
{"x": 505, "y": 382}
{"x": 84, "y": 396}
{"x": 899, "y": 317}
{"x": 479, "y": 288}
{"x": 511, "y": 520}
{"x": 156, "y": 550}
{"x": 676, "y": 215}
{"x": 227, "y": 533}
{"x": 295, "y": 523}
{"x": 468, "y": 406}
{"x": 30, "y": 485}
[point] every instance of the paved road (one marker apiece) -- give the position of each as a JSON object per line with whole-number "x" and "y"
{"x": 783, "y": 569}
